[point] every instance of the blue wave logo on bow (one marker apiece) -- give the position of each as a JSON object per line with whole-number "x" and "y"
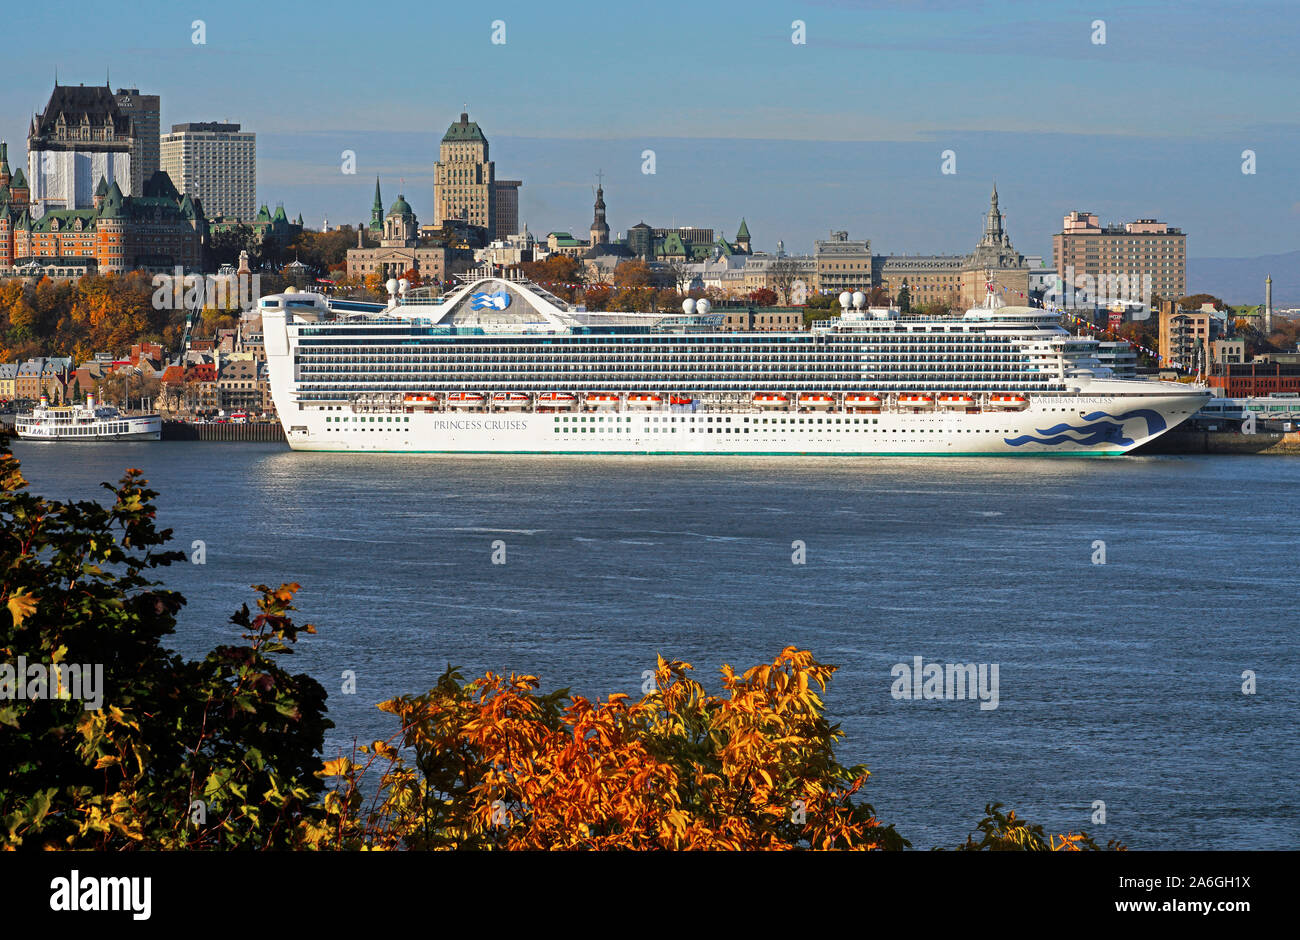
{"x": 1095, "y": 432}
{"x": 485, "y": 301}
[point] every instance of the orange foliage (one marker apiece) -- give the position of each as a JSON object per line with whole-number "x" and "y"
{"x": 496, "y": 765}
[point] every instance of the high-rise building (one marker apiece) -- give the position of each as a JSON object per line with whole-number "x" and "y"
{"x": 217, "y": 165}
{"x": 1127, "y": 262}
{"x": 464, "y": 184}
{"x": 80, "y": 137}
{"x": 505, "y": 215}
{"x": 145, "y": 112}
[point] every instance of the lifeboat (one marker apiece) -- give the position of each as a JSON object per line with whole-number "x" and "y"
{"x": 769, "y": 400}
{"x": 557, "y": 399}
{"x": 601, "y": 399}
{"x": 465, "y": 400}
{"x": 1008, "y": 401}
{"x": 957, "y": 401}
{"x": 644, "y": 400}
{"x": 916, "y": 401}
{"x": 680, "y": 400}
{"x": 859, "y": 400}
{"x": 509, "y": 400}
{"x": 815, "y": 400}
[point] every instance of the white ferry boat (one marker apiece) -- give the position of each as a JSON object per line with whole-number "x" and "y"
{"x": 89, "y": 422}
{"x": 500, "y": 365}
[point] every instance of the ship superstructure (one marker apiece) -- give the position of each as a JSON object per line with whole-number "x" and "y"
{"x": 501, "y": 365}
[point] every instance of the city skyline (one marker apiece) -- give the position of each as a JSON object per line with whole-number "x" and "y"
{"x": 851, "y": 128}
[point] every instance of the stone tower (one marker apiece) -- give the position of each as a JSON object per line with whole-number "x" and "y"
{"x": 1268, "y": 304}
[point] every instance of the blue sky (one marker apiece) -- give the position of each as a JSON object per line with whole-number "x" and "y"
{"x": 843, "y": 132}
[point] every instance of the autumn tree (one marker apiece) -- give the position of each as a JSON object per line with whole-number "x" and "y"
{"x": 220, "y": 752}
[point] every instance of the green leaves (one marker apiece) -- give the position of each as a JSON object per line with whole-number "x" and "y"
{"x": 234, "y": 731}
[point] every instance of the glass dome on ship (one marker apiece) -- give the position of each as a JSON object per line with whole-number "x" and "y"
{"x": 501, "y": 365}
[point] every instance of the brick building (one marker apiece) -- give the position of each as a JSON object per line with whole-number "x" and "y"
{"x": 156, "y": 232}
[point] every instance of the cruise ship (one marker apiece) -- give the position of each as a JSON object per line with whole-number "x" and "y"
{"x": 88, "y": 422}
{"x": 501, "y": 365}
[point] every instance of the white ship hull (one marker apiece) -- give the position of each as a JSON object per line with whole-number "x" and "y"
{"x": 484, "y": 370}
{"x": 1093, "y": 425}
{"x": 88, "y": 430}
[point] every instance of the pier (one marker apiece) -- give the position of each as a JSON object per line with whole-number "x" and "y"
{"x": 266, "y": 432}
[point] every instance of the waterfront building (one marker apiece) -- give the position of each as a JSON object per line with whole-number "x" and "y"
{"x": 43, "y": 376}
{"x": 80, "y": 137}
{"x": 242, "y": 386}
{"x": 8, "y": 381}
{"x": 215, "y": 163}
{"x": 1130, "y": 261}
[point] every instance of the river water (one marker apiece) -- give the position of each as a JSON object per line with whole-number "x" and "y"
{"x": 1118, "y": 682}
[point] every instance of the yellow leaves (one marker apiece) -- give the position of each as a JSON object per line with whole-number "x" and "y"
{"x": 336, "y": 767}
{"x": 21, "y": 606}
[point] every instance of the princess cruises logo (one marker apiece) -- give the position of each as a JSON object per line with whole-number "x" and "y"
{"x": 483, "y": 300}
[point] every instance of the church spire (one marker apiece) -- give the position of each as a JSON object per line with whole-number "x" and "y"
{"x": 377, "y": 211}
{"x": 599, "y": 227}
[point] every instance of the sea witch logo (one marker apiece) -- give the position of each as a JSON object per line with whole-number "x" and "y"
{"x": 483, "y": 300}
{"x": 946, "y": 681}
{"x": 75, "y": 893}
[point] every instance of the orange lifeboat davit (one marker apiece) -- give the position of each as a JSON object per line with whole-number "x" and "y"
{"x": 957, "y": 401}
{"x": 861, "y": 400}
{"x": 916, "y": 401}
{"x": 466, "y": 400}
{"x": 816, "y": 400}
{"x": 601, "y": 400}
{"x": 1008, "y": 401}
{"x": 509, "y": 400}
{"x": 557, "y": 399}
{"x": 771, "y": 400}
{"x": 643, "y": 400}
{"x": 680, "y": 400}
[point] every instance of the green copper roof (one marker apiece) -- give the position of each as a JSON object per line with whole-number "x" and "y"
{"x": 4, "y": 157}
{"x": 279, "y": 215}
{"x": 111, "y": 208}
{"x": 263, "y": 215}
{"x": 743, "y": 231}
{"x": 19, "y": 180}
{"x": 463, "y": 130}
{"x": 379, "y": 203}
{"x": 102, "y": 188}
{"x": 67, "y": 219}
{"x": 401, "y": 207}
